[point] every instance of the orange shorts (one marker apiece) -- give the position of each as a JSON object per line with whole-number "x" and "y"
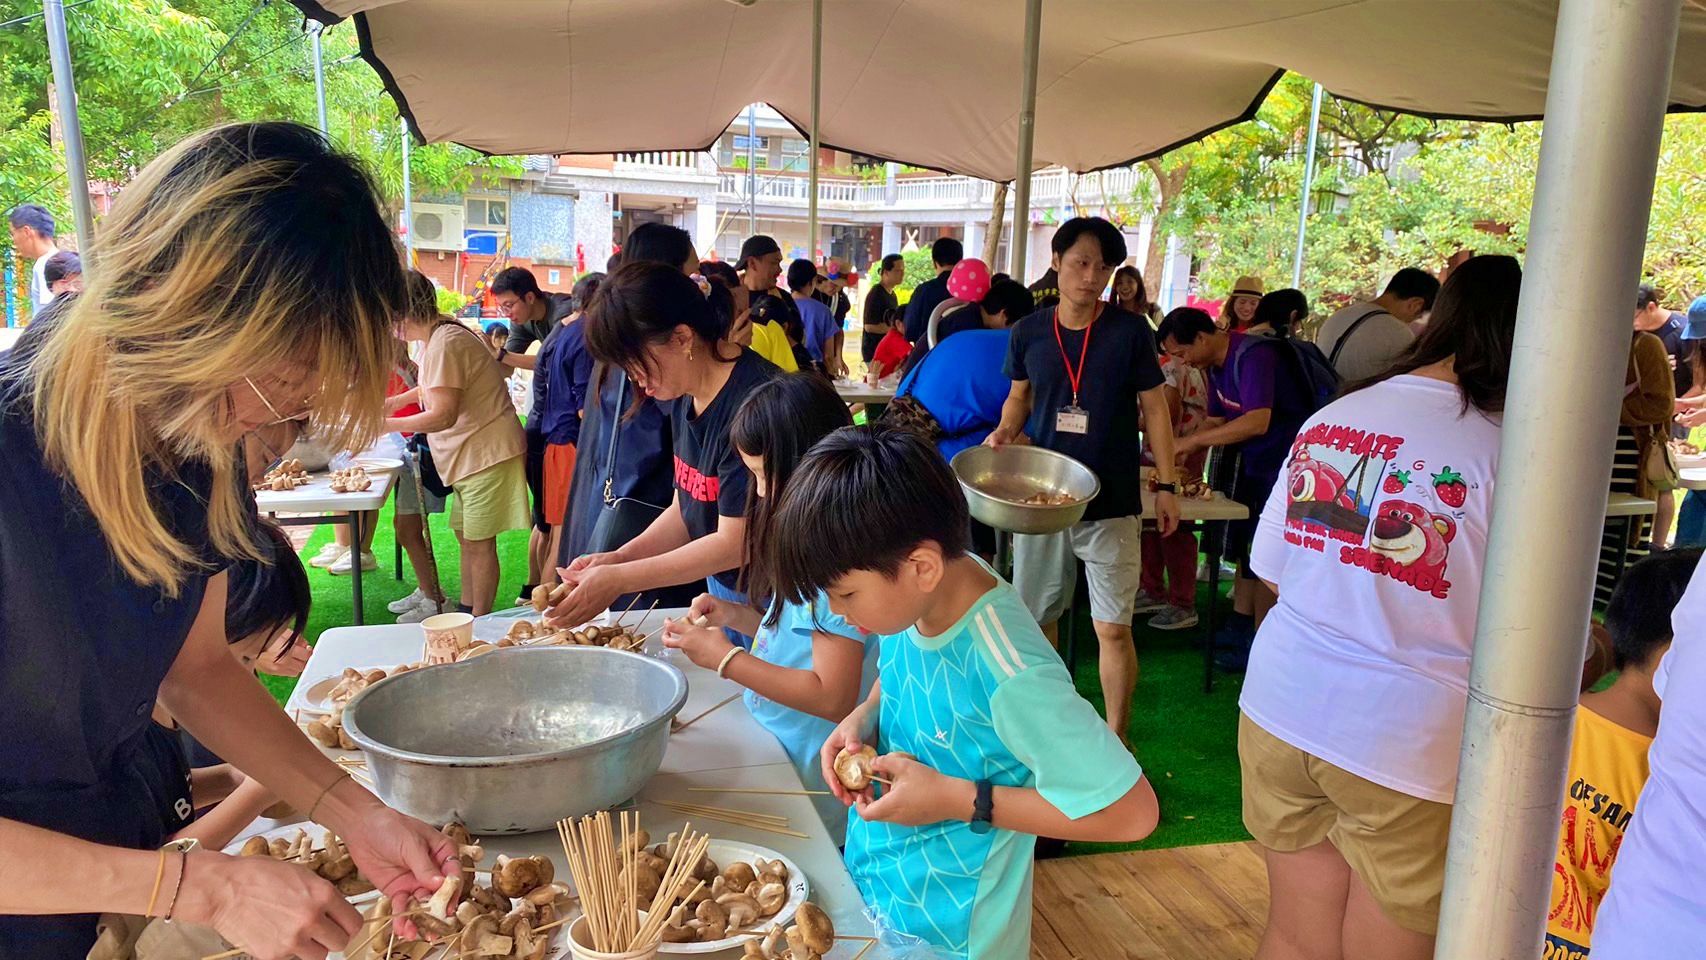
{"x": 559, "y": 472}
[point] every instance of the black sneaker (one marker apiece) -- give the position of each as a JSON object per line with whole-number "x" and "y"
{"x": 525, "y": 598}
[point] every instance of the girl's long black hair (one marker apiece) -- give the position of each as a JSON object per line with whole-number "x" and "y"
{"x": 1473, "y": 322}
{"x": 778, "y": 423}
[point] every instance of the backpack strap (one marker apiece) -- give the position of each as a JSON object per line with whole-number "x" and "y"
{"x": 1333, "y": 358}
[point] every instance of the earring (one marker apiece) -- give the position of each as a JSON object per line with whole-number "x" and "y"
{"x": 690, "y": 353}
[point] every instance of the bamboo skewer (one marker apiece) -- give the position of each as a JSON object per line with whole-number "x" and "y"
{"x": 631, "y": 605}
{"x": 776, "y": 819}
{"x": 761, "y": 790}
{"x": 736, "y": 820}
{"x": 683, "y": 725}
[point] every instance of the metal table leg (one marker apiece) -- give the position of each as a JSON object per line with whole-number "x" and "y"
{"x": 1217, "y": 546}
{"x": 355, "y": 561}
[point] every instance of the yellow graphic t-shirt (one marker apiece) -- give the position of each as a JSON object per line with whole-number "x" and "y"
{"x": 1608, "y": 767}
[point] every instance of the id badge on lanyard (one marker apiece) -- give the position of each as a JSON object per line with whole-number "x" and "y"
{"x": 1073, "y": 418}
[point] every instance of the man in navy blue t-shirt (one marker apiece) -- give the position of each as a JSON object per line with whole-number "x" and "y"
{"x": 1084, "y": 403}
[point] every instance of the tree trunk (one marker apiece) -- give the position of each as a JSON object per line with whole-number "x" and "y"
{"x": 1168, "y": 183}
{"x": 992, "y": 239}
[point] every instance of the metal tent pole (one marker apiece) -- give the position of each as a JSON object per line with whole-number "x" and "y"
{"x": 751, "y": 172}
{"x": 76, "y": 165}
{"x": 314, "y": 28}
{"x": 817, "y": 102}
{"x": 408, "y": 200}
{"x": 1308, "y": 180}
{"x": 1027, "y": 134}
{"x": 1610, "y": 75}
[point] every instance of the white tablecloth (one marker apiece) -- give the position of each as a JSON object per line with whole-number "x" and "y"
{"x": 727, "y": 748}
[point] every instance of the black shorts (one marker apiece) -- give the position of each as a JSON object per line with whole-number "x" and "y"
{"x": 534, "y": 467}
{"x": 868, "y": 345}
{"x": 1252, "y": 492}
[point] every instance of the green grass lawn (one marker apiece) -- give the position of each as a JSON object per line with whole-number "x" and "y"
{"x": 1186, "y": 740}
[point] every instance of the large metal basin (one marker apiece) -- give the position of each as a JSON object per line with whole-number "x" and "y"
{"x": 516, "y": 740}
{"x": 995, "y": 479}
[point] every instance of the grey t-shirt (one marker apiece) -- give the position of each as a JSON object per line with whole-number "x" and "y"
{"x": 1374, "y": 345}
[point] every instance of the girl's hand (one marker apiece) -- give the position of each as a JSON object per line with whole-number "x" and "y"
{"x": 851, "y": 735}
{"x": 715, "y": 612}
{"x": 705, "y": 646}
{"x": 916, "y": 795}
{"x": 270, "y": 909}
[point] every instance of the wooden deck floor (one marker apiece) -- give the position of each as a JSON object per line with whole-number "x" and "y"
{"x": 1187, "y": 903}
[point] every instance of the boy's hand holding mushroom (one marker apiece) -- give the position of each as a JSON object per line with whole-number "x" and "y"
{"x": 706, "y": 645}
{"x": 849, "y": 736}
{"x": 916, "y": 795}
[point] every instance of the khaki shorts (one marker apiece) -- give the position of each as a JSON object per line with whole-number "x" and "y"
{"x": 1394, "y": 842}
{"x": 1045, "y": 574}
{"x": 490, "y": 502}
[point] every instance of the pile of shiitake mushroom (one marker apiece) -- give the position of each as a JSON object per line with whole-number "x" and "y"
{"x": 732, "y": 899}
{"x": 328, "y": 731}
{"x": 351, "y": 480}
{"x": 288, "y": 475}
{"x": 491, "y": 922}
{"x": 808, "y": 938}
{"x": 330, "y": 860}
{"x": 526, "y": 632}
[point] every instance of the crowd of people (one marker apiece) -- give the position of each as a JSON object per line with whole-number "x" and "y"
{"x": 682, "y": 443}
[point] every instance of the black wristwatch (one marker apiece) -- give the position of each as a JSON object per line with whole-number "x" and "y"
{"x": 1172, "y": 488}
{"x": 983, "y": 808}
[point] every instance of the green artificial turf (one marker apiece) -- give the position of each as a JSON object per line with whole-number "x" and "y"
{"x": 1186, "y": 740}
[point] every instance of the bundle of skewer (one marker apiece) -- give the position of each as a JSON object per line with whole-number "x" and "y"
{"x": 604, "y": 871}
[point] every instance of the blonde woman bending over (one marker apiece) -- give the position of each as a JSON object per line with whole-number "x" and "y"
{"x": 244, "y": 277}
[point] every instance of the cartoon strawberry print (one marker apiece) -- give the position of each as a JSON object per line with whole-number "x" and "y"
{"x": 1449, "y": 486}
{"x": 1396, "y": 481}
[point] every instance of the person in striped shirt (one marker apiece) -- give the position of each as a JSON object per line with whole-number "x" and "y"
{"x": 982, "y": 738}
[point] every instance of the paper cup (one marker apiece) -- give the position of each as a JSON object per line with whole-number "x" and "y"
{"x": 580, "y": 939}
{"x": 447, "y": 635}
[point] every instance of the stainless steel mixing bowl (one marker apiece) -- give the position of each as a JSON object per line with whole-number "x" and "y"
{"x": 514, "y": 741}
{"x": 996, "y": 479}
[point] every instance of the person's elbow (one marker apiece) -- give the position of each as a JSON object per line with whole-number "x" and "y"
{"x": 1260, "y": 421}
{"x": 1134, "y": 816}
{"x": 836, "y": 705}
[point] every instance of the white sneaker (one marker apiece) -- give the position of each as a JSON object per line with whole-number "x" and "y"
{"x": 426, "y": 607}
{"x": 341, "y": 567}
{"x": 407, "y": 603}
{"x": 328, "y": 555}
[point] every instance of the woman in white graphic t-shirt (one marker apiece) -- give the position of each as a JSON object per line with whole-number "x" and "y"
{"x": 1353, "y": 703}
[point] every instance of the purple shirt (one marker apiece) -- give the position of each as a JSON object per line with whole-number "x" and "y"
{"x": 1247, "y": 383}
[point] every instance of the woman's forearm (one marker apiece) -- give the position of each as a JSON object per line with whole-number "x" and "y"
{"x": 43, "y": 872}
{"x": 743, "y": 619}
{"x": 691, "y": 561}
{"x": 427, "y": 421}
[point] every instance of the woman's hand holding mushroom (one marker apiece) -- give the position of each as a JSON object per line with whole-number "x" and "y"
{"x": 916, "y": 795}
{"x": 592, "y": 588}
{"x": 706, "y": 646}
{"x": 850, "y": 735}
{"x": 271, "y": 909}
{"x": 403, "y": 857}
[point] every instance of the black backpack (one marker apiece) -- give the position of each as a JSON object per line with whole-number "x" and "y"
{"x": 1306, "y": 362}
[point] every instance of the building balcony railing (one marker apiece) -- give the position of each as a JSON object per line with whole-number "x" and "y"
{"x": 1048, "y": 187}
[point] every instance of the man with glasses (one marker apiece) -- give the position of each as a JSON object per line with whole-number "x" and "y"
{"x": 532, "y": 314}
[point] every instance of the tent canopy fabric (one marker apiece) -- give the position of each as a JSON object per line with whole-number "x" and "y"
{"x": 935, "y": 82}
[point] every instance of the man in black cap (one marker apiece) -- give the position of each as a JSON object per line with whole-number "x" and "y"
{"x": 760, "y": 264}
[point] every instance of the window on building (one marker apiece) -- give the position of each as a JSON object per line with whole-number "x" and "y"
{"x": 794, "y": 154}
{"x": 487, "y": 213}
{"x": 554, "y": 277}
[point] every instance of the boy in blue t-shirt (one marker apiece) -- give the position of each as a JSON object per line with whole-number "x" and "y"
{"x": 983, "y": 739}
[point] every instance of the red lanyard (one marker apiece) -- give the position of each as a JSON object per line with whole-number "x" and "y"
{"x": 1074, "y": 377}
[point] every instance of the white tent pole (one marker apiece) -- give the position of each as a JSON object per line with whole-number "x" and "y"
{"x": 1308, "y": 180}
{"x": 1017, "y": 250}
{"x": 1610, "y": 76}
{"x": 314, "y": 28}
{"x": 76, "y": 165}
{"x": 408, "y": 200}
{"x": 817, "y": 98}
{"x": 751, "y": 173}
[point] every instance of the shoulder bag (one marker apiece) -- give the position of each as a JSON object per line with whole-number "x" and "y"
{"x": 621, "y": 519}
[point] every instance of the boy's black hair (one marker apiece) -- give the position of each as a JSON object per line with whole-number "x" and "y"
{"x": 1412, "y": 282}
{"x": 802, "y": 273}
{"x": 863, "y": 499}
{"x": 1184, "y": 325}
{"x": 264, "y": 596}
{"x": 1638, "y": 616}
{"x": 517, "y": 280}
{"x": 778, "y": 423}
{"x": 1009, "y": 298}
{"x": 1108, "y": 238}
{"x": 1645, "y": 294}
{"x": 658, "y": 243}
{"x": 947, "y": 251}
{"x": 63, "y": 264}
{"x": 889, "y": 260}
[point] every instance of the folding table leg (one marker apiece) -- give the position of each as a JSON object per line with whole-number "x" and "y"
{"x": 1213, "y": 606}
{"x": 355, "y": 562}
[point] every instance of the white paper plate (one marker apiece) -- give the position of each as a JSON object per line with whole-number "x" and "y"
{"x": 316, "y": 834}
{"x": 725, "y": 852}
{"x": 379, "y": 464}
{"x": 315, "y": 698}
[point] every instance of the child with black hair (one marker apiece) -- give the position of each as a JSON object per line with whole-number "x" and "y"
{"x": 971, "y": 709}
{"x": 807, "y": 668}
{"x": 1608, "y": 753}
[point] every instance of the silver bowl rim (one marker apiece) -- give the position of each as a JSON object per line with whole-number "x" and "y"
{"x": 368, "y": 743}
{"x": 1095, "y": 490}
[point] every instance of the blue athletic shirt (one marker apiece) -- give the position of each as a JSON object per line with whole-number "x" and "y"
{"x": 986, "y": 699}
{"x": 801, "y": 734}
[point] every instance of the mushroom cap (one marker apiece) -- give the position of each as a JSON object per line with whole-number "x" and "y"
{"x": 710, "y": 911}
{"x": 854, "y": 769}
{"x": 740, "y": 875}
{"x": 518, "y": 877}
{"x": 771, "y": 897}
{"x": 742, "y": 909}
{"x": 816, "y": 929}
{"x": 457, "y": 832}
{"x": 706, "y": 870}
{"x": 683, "y": 934}
{"x": 255, "y": 846}
{"x": 541, "y": 598}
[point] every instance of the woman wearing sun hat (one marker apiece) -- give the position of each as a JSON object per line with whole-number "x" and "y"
{"x": 1240, "y": 305}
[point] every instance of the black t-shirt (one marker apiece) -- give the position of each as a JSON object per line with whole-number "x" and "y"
{"x": 1045, "y": 292}
{"x": 880, "y": 306}
{"x": 710, "y": 479}
{"x": 926, "y": 297}
{"x": 1679, "y": 350}
{"x": 1121, "y": 361}
{"x": 969, "y": 317}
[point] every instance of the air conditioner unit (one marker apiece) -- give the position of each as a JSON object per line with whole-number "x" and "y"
{"x": 438, "y": 226}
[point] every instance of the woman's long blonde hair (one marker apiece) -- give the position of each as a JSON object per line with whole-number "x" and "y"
{"x": 241, "y": 247}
